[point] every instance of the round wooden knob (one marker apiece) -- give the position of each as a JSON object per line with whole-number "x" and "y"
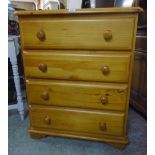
{"x": 47, "y": 120}
{"x": 105, "y": 70}
{"x": 41, "y": 35}
{"x": 42, "y": 67}
{"x": 45, "y": 95}
{"x": 107, "y": 35}
{"x": 102, "y": 126}
{"x": 104, "y": 99}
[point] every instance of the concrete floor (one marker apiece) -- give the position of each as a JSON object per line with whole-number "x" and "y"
{"x": 21, "y": 144}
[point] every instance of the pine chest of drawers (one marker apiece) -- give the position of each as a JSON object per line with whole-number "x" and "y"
{"x": 78, "y": 71}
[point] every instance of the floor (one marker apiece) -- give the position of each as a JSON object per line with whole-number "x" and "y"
{"x": 21, "y": 144}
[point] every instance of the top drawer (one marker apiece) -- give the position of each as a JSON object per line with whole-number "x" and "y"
{"x": 77, "y": 33}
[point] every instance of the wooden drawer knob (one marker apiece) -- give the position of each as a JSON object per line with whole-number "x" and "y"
{"x": 107, "y": 35}
{"x": 47, "y": 120}
{"x": 45, "y": 96}
{"x": 42, "y": 67}
{"x": 104, "y": 99}
{"x": 41, "y": 35}
{"x": 105, "y": 70}
{"x": 102, "y": 126}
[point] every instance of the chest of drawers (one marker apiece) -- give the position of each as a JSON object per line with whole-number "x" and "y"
{"x": 78, "y": 72}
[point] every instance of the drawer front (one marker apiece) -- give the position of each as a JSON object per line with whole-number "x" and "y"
{"x": 77, "y": 94}
{"x": 88, "y": 33}
{"x": 94, "y": 122}
{"x": 86, "y": 66}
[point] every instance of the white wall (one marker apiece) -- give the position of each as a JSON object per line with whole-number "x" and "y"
{"x": 76, "y": 4}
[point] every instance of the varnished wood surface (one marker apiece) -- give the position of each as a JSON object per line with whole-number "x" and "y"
{"x": 72, "y": 65}
{"x": 141, "y": 43}
{"x": 73, "y": 134}
{"x": 70, "y": 60}
{"x": 77, "y": 94}
{"x": 81, "y": 11}
{"x": 77, "y": 33}
{"x": 138, "y": 98}
{"x": 77, "y": 120}
{"x": 130, "y": 75}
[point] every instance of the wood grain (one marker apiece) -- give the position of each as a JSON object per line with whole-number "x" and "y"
{"x": 82, "y": 135}
{"x": 72, "y": 65}
{"x": 78, "y": 69}
{"x": 115, "y": 10}
{"x": 77, "y": 33}
{"x": 77, "y": 94}
{"x": 77, "y": 120}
